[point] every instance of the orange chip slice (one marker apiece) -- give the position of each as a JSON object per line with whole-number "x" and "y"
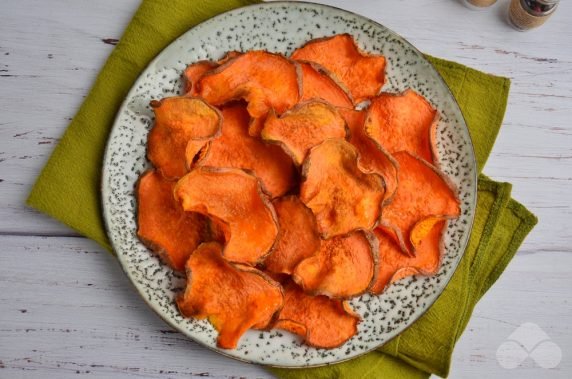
{"x": 403, "y": 122}
{"x": 163, "y": 225}
{"x": 236, "y": 148}
{"x": 178, "y": 121}
{"x": 372, "y": 157}
{"x": 234, "y": 298}
{"x": 298, "y": 237}
{"x": 423, "y": 193}
{"x": 394, "y": 265}
{"x": 342, "y": 197}
{"x": 321, "y": 321}
{"x": 318, "y": 83}
{"x": 343, "y": 267}
{"x": 235, "y": 199}
{"x": 194, "y": 72}
{"x": 265, "y": 80}
{"x": 362, "y": 73}
{"x": 304, "y": 127}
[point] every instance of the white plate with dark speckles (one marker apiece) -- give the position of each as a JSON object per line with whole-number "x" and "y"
{"x": 282, "y": 27}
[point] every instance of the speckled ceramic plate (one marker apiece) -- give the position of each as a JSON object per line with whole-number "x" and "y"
{"x": 282, "y": 27}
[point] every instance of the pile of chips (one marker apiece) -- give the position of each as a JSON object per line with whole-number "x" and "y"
{"x": 286, "y": 186}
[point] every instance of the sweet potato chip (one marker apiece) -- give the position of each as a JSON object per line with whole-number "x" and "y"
{"x": 304, "y": 127}
{"x": 342, "y": 197}
{"x": 318, "y": 83}
{"x": 395, "y": 265}
{"x": 372, "y": 157}
{"x": 322, "y": 322}
{"x": 265, "y": 80}
{"x": 298, "y": 237}
{"x": 163, "y": 225}
{"x": 236, "y": 200}
{"x": 362, "y": 73}
{"x": 179, "y": 120}
{"x": 236, "y": 148}
{"x": 234, "y": 298}
{"x": 194, "y": 72}
{"x": 342, "y": 268}
{"x": 403, "y": 122}
{"x": 423, "y": 193}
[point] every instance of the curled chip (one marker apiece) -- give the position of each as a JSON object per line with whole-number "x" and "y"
{"x": 342, "y": 197}
{"x": 304, "y": 127}
{"x": 363, "y": 74}
{"x": 322, "y": 322}
{"x": 234, "y": 298}
{"x": 394, "y": 265}
{"x": 343, "y": 267}
{"x": 163, "y": 225}
{"x": 298, "y": 237}
{"x": 194, "y": 72}
{"x": 235, "y": 200}
{"x": 318, "y": 83}
{"x": 422, "y": 228}
{"x": 178, "y": 121}
{"x": 265, "y": 80}
{"x": 236, "y": 148}
{"x": 403, "y": 122}
{"x": 372, "y": 157}
{"x": 424, "y": 193}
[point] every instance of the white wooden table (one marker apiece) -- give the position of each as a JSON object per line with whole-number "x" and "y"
{"x": 65, "y": 306}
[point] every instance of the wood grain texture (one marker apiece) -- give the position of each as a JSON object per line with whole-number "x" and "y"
{"x": 65, "y": 306}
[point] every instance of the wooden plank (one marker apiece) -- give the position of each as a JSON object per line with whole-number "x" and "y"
{"x": 50, "y": 53}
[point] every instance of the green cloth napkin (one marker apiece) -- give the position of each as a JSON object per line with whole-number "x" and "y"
{"x": 68, "y": 188}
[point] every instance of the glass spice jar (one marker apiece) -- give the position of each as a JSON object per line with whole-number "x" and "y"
{"x": 528, "y": 14}
{"x": 479, "y": 4}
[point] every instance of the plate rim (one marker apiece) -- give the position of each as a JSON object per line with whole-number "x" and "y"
{"x": 123, "y": 106}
